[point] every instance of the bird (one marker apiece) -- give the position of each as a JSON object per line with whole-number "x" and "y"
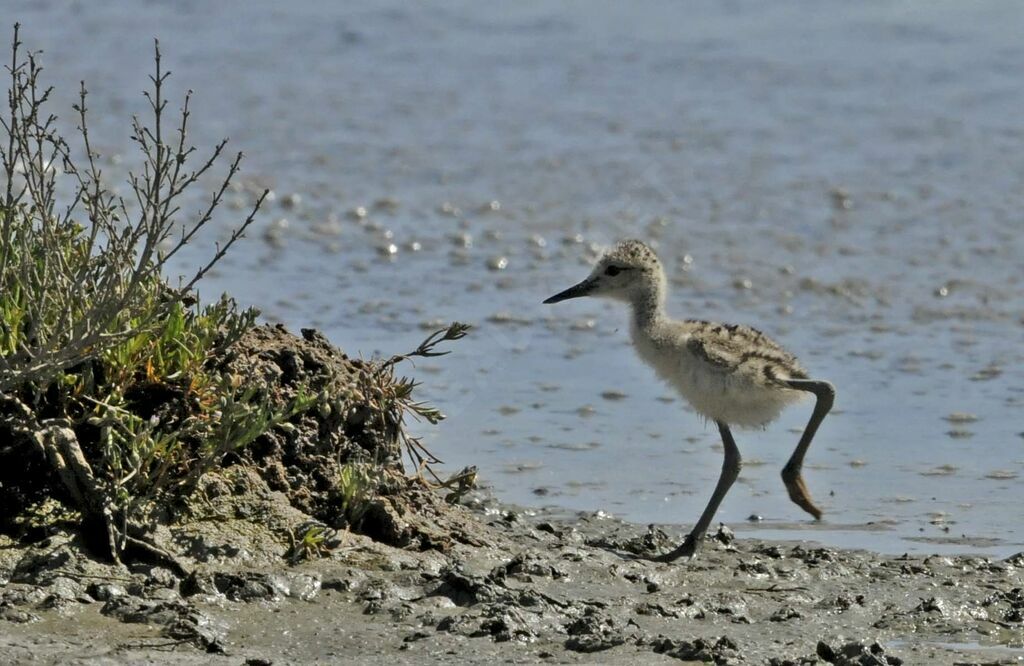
{"x": 731, "y": 374}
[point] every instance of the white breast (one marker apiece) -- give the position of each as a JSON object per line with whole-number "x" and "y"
{"x": 716, "y": 393}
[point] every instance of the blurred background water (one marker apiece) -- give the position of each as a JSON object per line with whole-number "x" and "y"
{"x": 848, "y": 177}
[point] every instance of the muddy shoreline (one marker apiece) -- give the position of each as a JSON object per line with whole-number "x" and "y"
{"x": 276, "y": 558}
{"x": 510, "y": 585}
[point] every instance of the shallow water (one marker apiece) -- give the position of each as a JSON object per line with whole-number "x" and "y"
{"x": 848, "y": 178}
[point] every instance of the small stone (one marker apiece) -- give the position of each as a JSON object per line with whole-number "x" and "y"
{"x": 547, "y": 527}
{"x": 64, "y": 589}
{"x": 161, "y": 577}
{"x": 18, "y": 616}
{"x": 724, "y": 535}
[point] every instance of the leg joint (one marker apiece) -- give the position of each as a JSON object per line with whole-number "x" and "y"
{"x": 826, "y": 394}
{"x": 824, "y": 391}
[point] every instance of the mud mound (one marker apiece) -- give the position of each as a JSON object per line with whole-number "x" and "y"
{"x": 348, "y": 417}
{"x": 303, "y": 457}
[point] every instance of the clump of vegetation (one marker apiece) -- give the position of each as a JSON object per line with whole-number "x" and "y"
{"x": 356, "y": 487}
{"x": 105, "y": 368}
{"x": 312, "y": 540}
{"x": 119, "y": 391}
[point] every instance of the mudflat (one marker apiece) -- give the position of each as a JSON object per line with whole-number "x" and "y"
{"x": 485, "y": 583}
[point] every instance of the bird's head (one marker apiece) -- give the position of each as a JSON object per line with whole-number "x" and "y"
{"x": 623, "y": 272}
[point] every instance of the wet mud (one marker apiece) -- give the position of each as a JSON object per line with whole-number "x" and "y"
{"x": 507, "y": 585}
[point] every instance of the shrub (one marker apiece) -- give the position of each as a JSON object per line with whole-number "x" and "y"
{"x": 105, "y": 368}
{"x": 79, "y": 274}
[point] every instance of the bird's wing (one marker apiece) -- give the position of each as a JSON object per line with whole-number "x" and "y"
{"x": 732, "y": 348}
{"x": 711, "y": 353}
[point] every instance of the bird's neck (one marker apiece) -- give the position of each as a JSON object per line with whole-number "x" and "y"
{"x": 649, "y": 306}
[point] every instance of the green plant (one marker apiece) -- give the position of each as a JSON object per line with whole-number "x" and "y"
{"x": 78, "y": 272}
{"x": 197, "y": 414}
{"x": 105, "y": 368}
{"x": 143, "y": 424}
{"x": 311, "y": 540}
{"x": 357, "y": 485}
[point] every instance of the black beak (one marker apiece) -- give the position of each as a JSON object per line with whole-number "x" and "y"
{"x": 581, "y": 289}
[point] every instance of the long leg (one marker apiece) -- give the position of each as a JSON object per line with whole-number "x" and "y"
{"x": 791, "y": 476}
{"x": 730, "y": 471}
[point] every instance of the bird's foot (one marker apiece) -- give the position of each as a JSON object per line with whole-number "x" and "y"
{"x": 687, "y": 549}
{"x": 798, "y": 492}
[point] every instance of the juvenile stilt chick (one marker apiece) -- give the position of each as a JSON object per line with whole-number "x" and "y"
{"x": 732, "y": 374}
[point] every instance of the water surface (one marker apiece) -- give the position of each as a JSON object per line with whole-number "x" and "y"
{"x": 848, "y": 178}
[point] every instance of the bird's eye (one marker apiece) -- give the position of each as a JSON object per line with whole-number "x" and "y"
{"x": 612, "y": 271}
